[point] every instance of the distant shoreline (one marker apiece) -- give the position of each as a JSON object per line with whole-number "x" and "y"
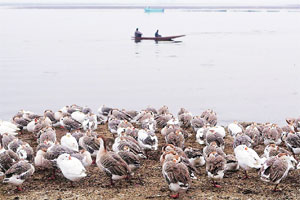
{"x": 97, "y": 6}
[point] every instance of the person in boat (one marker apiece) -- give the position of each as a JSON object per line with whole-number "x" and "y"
{"x": 156, "y": 34}
{"x": 137, "y": 33}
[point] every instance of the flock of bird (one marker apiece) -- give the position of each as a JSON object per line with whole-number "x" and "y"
{"x": 135, "y": 136}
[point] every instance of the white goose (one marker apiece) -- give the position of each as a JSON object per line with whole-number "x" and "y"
{"x": 69, "y": 141}
{"x": 71, "y": 167}
{"x": 247, "y": 158}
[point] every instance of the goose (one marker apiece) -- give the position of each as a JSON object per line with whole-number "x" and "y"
{"x": 130, "y": 158}
{"x": 9, "y": 124}
{"x": 25, "y": 152}
{"x": 244, "y": 139}
{"x": 71, "y": 167}
{"x": 212, "y": 147}
{"x": 47, "y": 135}
{"x": 213, "y": 136}
{"x": 113, "y": 124}
{"x": 31, "y": 125}
{"x": 143, "y": 116}
{"x": 292, "y": 142}
{"x": 195, "y": 156}
{"x": 149, "y": 124}
{"x": 231, "y": 163}
{"x": 123, "y": 142}
{"x": 234, "y": 128}
{"x": 118, "y": 114}
{"x": 7, "y": 159}
{"x": 275, "y": 169}
{"x": 176, "y": 138}
{"x": 218, "y": 129}
{"x": 185, "y": 119}
{"x": 7, "y": 129}
{"x": 92, "y": 122}
{"x": 90, "y": 144}
{"x": 6, "y": 139}
{"x": 104, "y": 110}
{"x": 77, "y": 135}
{"x": 69, "y": 141}
{"x": 18, "y": 173}
{"x": 197, "y": 122}
{"x": 169, "y": 128}
{"x": 147, "y": 140}
{"x": 151, "y": 109}
{"x": 184, "y": 158}
{"x": 69, "y": 123}
{"x": 201, "y": 135}
{"x": 15, "y": 144}
{"x": 131, "y": 113}
{"x": 210, "y": 117}
{"x": 253, "y": 132}
{"x": 86, "y": 110}
{"x": 247, "y": 158}
{"x": 84, "y": 157}
{"x": 272, "y": 135}
{"x": 78, "y": 116}
{"x": 163, "y": 110}
{"x": 111, "y": 163}
{"x": 215, "y": 167}
{"x": 51, "y": 115}
{"x": 176, "y": 175}
{"x": 162, "y": 120}
{"x": 20, "y": 121}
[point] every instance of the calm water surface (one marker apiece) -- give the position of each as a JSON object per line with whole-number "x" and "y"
{"x": 244, "y": 65}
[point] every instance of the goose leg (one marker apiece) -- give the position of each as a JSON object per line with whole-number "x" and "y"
{"x": 175, "y": 196}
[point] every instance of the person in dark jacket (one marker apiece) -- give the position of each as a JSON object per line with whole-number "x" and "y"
{"x": 137, "y": 33}
{"x": 156, "y": 34}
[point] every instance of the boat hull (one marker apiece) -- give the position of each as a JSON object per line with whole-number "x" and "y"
{"x": 168, "y": 38}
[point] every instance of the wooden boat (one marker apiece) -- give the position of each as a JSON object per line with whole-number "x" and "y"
{"x": 148, "y": 10}
{"x": 167, "y": 38}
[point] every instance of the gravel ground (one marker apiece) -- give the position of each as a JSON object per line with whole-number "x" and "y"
{"x": 95, "y": 185}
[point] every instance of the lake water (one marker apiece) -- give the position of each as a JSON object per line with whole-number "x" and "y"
{"x": 244, "y": 65}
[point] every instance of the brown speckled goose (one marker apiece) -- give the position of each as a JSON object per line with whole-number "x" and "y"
{"x": 275, "y": 169}
{"x": 90, "y": 144}
{"x": 272, "y": 134}
{"x": 6, "y": 139}
{"x": 70, "y": 124}
{"x": 48, "y": 135}
{"x": 163, "y": 110}
{"x": 7, "y": 159}
{"x": 118, "y": 114}
{"x": 231, "y": 163}
{"x": 121, "y": 143}
{"x": 197, "y": 122}
{"x": 171, "y": 148}
{"x": 18, "y": 173}
{"x": 212, "y": 147}
{"x": 162, "y": 120}
{"x": 175, "y": 138}
{"x": 213, "y": 136}
{"x": 195, "y": 156}
{"x": 292, "y": 142}
{"x": 176, "y": 175}
{"x": 215, "y": 167}
{"x": 242, "y": 139}
{"x": 210, "y": 117}
{"x": 111, "y": 163}
{"x": 130, "y": 158}
{"x": 185, "y": 119}
{"x": 253, "y": 132}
